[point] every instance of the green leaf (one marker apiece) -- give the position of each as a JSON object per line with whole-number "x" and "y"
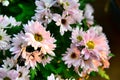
{"x": 103, "y": 74}
{"x": 111, "y": 55}
{"x": 32, "y": 74}
{"x": 27, "y": 12}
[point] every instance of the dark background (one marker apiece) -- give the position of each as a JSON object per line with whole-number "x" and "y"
{"x": 107, "y": 16}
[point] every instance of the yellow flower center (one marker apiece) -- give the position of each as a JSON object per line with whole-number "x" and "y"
{"x": 90, "y": 45}
{"x": 0, "y": 37}
{"x": 38, "y": 37}
{"x": 67, "y": 4}
{"x": 79, "y": 38}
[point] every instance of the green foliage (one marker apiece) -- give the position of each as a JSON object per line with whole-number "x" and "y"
{"x": 32, "y": 74}
{"x": 111, "y": 55}
{"x": 103, "y": 74}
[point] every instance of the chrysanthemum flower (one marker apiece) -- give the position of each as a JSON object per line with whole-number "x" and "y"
{"x": 6, "y": 22}
{"x": 8, "y": 75}
{"x": 97, "y": 44}
{"x": 9, "y": 63}
{"x": 18, "y": 43}
{"x": 68, "y": 4}
{"x": 4, "y": 40}
{"x": 72, "y": 57}
{"x": 77, "y": 35}
{"x": 38, "y": 37}
{"x": 45, "y": 59}
{"x": 44, "y": 17}
{"x": 23, "y": 73}
{"x": 63, "y": 21}
{"x": 44, "y": 4}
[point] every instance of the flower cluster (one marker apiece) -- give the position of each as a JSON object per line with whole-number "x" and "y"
{"x": 88, "y": 51}
{"x": 60, "y": 42}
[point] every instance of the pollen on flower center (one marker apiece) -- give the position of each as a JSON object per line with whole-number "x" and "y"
{"x": 63, "y": 21}
{"x": 0, "y": 37}
{"x": 67, "y": 3}
{"x": 79, "y": 38}
{"x": 6, "y": 78}
{"x": 38, "y": 37}
{"x": 90, "y": 45}
{"x": 73, "y": 55}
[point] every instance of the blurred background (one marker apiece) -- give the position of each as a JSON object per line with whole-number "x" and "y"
{"x": 107, "y": 14}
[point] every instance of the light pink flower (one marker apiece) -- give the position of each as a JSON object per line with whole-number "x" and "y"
{"x": 9, "y": 63}
{"x": 9, "y": 75}
{"x": 97, "y": 44}
{"x": 68, "y": 4}
{"x": 44, "y": 17}
{"x": 23, "y": 73}
{"x": 18, "y": 43}
{"x": 32, "y": 58}
{"x": 44, "y": 4}
{"x": 62, "y": 21}
{"x": 37, "y": 36}
{"x": 72, "y": 57}
{"x": 75, "y": 14}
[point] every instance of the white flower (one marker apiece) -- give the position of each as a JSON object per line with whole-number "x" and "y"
{"x": 5, "y": 2}
{"x": 4, "y": 40}
{"x": 8, "y": 22}
{"x": 44, "y": 4}
{"x": 88, "y": 14}
{"x": 9, "y": 63}
{"x": 77, "y": 35}
{"x": 44, "y": 17}
{"x": 51, "y": 77}
{"x": 23, "y": 73}
{"x": 63, "y": 21}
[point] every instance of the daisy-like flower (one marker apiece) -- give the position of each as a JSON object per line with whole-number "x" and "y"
{"x": 97, "y": 44}
{"x": 18, "y": 44}
{"x": 72, "y": 57}
{"x": 75, "y": 14}
{"x": 8, "y": 75}
{"x": 44, "y": 17}
{"x": 45, "y": 59}
{"x": 4, "y": 40}
{"x": 23, "y": 73}
{"x": 88, "y": 14}
{"x": 77, "y": 35}
{"x": 38, "y": 37}
{"x": 44, "y": 4}
{"x": 9, "y": 63}
{"x": 6, "y": 21}
{"x": 63, "y": 21}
